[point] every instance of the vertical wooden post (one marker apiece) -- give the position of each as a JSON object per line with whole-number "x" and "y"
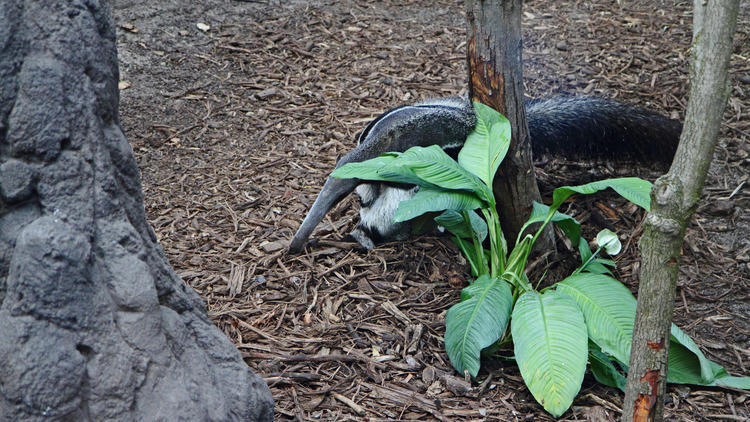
{"x": 496, "y": 79}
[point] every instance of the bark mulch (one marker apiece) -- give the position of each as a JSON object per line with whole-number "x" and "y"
{"x": 237, "y": 121}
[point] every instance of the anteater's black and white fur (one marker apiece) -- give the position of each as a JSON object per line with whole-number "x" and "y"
{"x": 579, "y": 128}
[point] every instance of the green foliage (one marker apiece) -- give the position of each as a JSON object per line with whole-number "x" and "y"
{"x": 454, "y": 222}
{"x": 633, "y": 189}
{"x": 366, "y": 170}
{"x": 477, "y": 322}
{"x": 603, "y": 369}
{"x": 607, "y": 308}
{"x": 431, "y": 199}
{"x": 588, "y": 316}
{"x": 481, "y": 153}
{"x": 566, "y": 223}
{"x": 551, "y": 347}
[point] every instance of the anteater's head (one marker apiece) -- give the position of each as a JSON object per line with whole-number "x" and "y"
{"x": 445, "y": 122}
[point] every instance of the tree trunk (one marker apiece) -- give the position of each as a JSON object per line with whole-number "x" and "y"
{"x": 673, "y": 201}
{"x": 94, "y": 323}
{"x": 496, "y": 79}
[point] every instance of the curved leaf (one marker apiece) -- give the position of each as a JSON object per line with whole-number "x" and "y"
{"x": 365, "y": 170}
{"x": 551, "y": 347}
{"x": 733, "y": 382}
{"x": 609, "y": 310}
{"x": 688, "y": 367}
{"x": 429, "y": 200}
{"x": 633, "y": 189}
{"x": 683, "y": 367}
{"x": 432, "y": 165}
{"x": 476, "y": 322}
{"x": 708, "y": 369}
{"x": 487, "y": 144}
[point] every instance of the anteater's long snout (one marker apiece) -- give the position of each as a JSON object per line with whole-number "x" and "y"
{"x": 334, "y": 190}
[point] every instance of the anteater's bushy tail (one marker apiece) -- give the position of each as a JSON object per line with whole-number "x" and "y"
{"x": 594, "y": 128}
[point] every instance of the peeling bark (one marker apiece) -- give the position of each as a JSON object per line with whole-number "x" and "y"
{"x": 496, "y": 79}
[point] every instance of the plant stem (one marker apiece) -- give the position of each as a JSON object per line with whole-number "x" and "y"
{"x": 588, "y": 261}
{"x": 478, "y": 248}
{"x": 498, "y": 249}
{"x": 551, "y": 214}
{"x": 502, "y": 245}
{"x": 491, "y": 227}
{"x": 465, "y": 249}
{"x": 517, "y": 264}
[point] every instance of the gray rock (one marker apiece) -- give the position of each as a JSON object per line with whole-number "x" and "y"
{"x": 94, "y": 323}
{"x": 16, "y": 178}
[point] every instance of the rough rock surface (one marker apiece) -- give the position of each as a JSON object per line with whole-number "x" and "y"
{"x": 94, "y": 323}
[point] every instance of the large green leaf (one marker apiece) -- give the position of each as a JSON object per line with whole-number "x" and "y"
{"x": 609, "y": 310}
{"x": 687, "y": 367}
{"x": 487, "y": 144}
{"x": 432, "y": 165}
{"x": 476, "y": 322}
{"x": 566, "y": 223}
{"x": 366, "y": 170}
{"x": 382, "y": 169}
{"x": 429, "y": 200}
{"x": 633, "y": 189}
{"x": 683, "y": 367}
{"x": 551, "y": 347}
{"x": 454, "y": 222}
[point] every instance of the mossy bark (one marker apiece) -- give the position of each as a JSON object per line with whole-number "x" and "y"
{"x": 673, "y": 201}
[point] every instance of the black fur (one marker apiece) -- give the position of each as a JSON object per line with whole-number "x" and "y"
{"x": 594, "y": 128}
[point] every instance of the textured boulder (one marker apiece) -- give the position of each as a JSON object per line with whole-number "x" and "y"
{"x": 94, "y": 323}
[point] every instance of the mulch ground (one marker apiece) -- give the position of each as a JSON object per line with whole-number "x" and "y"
{"x": 237, "y": 121}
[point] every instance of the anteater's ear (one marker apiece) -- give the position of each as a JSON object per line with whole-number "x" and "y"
{"x": 444, "y": 122}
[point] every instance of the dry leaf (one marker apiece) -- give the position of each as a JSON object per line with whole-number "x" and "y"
{"x": 129, "y": 27}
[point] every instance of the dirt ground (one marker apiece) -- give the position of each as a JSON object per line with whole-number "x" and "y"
{"x": 237, "y": 111}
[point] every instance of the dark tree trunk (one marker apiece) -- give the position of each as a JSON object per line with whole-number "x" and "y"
{"x": 496, "y": 79}
{"x": 673, "y": 201}
{"x": 94, "y": 323}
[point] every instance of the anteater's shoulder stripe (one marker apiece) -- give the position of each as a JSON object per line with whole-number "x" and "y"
{"x": 448, "y": 104}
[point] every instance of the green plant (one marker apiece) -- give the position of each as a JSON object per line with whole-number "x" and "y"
{"x": 585, "y": 318}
